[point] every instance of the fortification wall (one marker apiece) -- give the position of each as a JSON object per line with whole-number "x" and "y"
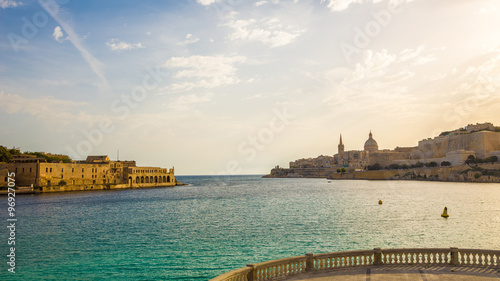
{"x": 480, "y": 142}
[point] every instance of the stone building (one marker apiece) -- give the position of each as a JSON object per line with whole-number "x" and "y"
{"x": 355, "y": 158}
{"x": 96, "y": 172}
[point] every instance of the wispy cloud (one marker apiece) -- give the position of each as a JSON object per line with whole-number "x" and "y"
{"x": 43, "y": 107}
{"x": 203, "y": 71}
{"x": 207, "y": 2}
{"x": 53, "y": 8}
{"x": 4, "y": 4}
{"x": 185, "y": 102}
{"x": 117, "y": 45}
{"x": 341, "y": 5}
{"x": 190, "y": 39}
{"x": 268, "y": 31}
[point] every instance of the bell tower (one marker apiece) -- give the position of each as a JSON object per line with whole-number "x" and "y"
{"x": 341, "y": 147}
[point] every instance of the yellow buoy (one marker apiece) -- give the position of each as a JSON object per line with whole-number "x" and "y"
{"x": 380, "y": 202}
{"x": 445, "y": 213}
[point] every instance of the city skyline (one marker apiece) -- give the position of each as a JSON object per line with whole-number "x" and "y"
{"x": 237, "y": 87}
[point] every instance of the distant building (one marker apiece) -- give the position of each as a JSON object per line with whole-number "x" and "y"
{"x": 480, "y": 140}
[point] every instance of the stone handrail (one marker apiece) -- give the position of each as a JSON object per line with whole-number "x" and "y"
{"x": 322, "y": 262}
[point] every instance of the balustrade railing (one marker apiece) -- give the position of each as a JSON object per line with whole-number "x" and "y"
{"x": 329, "y": 261}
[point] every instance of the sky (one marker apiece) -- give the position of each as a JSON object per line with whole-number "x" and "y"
{"x": 238, "y": 87}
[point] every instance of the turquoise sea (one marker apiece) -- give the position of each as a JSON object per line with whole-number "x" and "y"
{"x": 216, "y": 224}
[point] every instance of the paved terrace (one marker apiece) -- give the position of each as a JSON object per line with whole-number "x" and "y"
{"x": 377, "y": 264}
{"x": 402, "y": 272}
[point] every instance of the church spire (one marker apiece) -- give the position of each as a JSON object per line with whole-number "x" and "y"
{"x": 341, "y": 147}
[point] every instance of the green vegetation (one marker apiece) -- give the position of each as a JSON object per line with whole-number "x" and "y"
{"x": 51, "y": 158}
{"x": 375, "y": 167}
{"x": 6, "y": 155}
{"x": 473, "y": 160}
{"x": 62, "y": 182}
{"x": 445, "y": 163}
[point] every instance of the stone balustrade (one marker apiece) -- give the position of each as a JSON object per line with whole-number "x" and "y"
{"x": 377, "y": 257}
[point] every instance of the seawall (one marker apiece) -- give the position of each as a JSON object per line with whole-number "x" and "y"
{"x": 464, "y": 173}
{"x": 69, "y": 188}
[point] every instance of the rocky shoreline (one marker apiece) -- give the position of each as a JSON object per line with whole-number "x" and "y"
{"x": 486, "y": 173}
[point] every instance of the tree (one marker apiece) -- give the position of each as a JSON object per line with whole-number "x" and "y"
{"x": 5, "y": 155}
{"x": 494, "y": 159}
{"x": 394, "y": 167}
{"x": 339, "y": 170}
{"x": 375, "y": 167}
{"x": 445, "y": 163}
{"x": 431, "y": 164}
{"x": 343, "y": 170}
{"x": 470, "y": 159}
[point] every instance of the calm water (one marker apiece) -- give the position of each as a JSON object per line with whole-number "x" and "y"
{"x": 213, "y": 225}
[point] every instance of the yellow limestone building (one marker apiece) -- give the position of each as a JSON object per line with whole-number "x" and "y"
{"x": 96, "y": 172}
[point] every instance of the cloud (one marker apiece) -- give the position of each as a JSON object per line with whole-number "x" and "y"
{"x": 184, "y": 102}
{"x": 341, "y": 5}
{"x": 58, "y": 34}
{"x": 190, "y": 39}
{"x": 4, "y": 4}
{"x": 53, "y": 8}
{"x": 117, "y": 45}
{"x": 418, "y": 55}
{"x": 203, "y": 71}
{"x": 207, "y": 2}
{"x": 374, "y": 65}
{"x": 267, "y": 31}
{"x": 42, "y": 107}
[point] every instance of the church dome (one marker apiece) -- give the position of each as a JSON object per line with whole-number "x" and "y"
{"x": 371, "y": 144}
